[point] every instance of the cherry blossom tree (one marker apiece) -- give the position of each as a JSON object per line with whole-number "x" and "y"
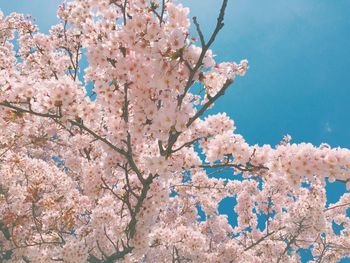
{"x": 123, "y": 173}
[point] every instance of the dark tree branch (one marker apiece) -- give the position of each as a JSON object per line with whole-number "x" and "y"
{"x": 210, "y": 102}
{"x": 199, "y": 31}
{"x": 162, "y": 13}
{"x": 205, "y": 48}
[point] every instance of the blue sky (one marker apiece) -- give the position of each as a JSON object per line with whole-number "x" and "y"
{"x": 298, "y": 82}
{"x": 299, "y": 54}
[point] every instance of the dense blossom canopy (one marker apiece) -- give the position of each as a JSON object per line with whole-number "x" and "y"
{"x": 125, "y": 172}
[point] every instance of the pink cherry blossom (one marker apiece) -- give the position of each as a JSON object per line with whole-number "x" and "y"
{"x": 135, "y": 172}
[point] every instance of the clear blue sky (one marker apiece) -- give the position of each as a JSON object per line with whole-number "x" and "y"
{"x": 299, "y": 77}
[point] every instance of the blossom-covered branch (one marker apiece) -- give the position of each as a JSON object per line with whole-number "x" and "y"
{"x": 125, "y": 173}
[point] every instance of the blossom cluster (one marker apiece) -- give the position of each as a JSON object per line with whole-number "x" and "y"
{"x": 136, "y": 170}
